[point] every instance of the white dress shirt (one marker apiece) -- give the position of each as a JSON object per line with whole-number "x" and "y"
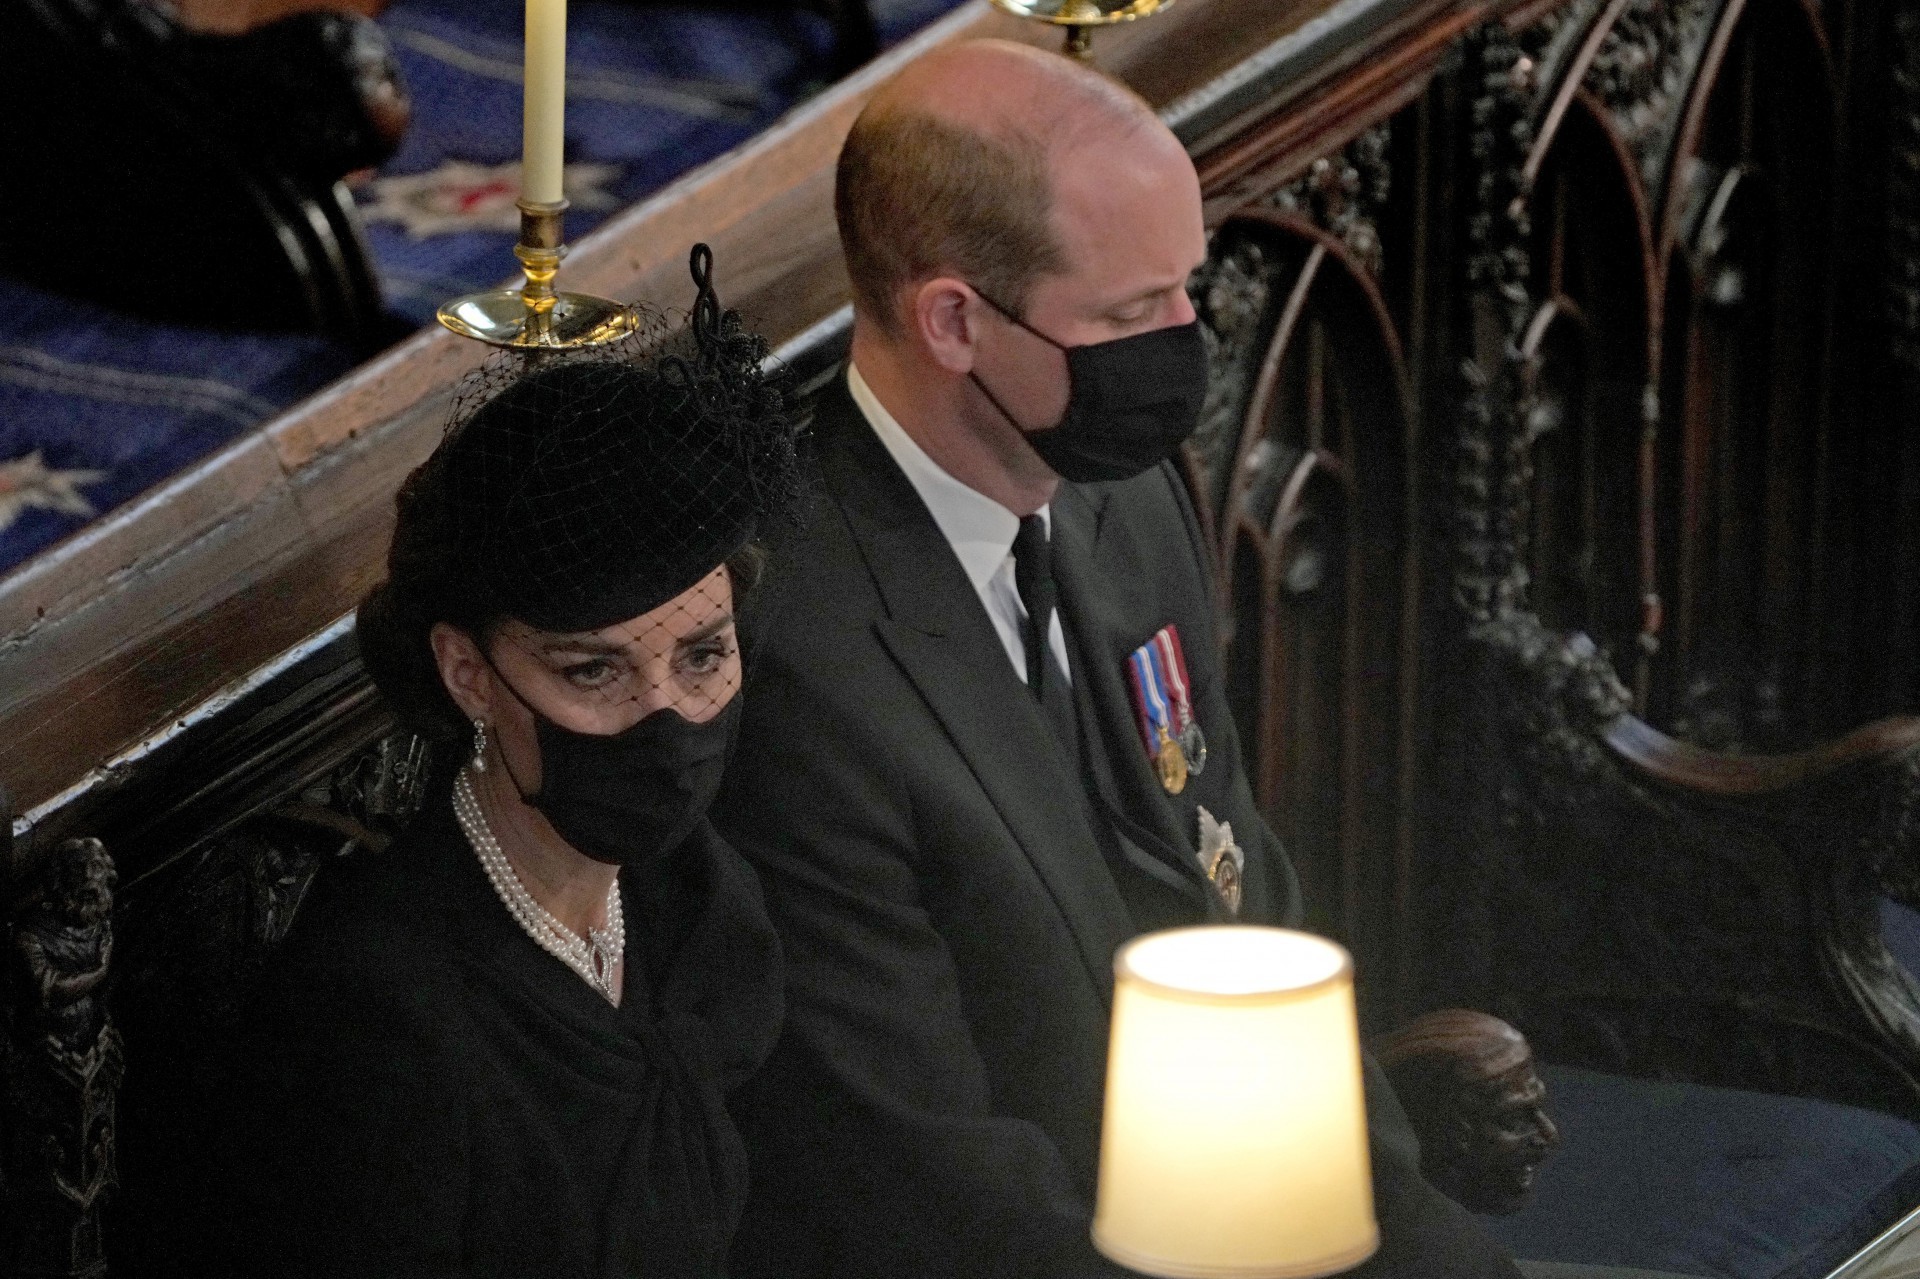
{"x": 979, "y": 529}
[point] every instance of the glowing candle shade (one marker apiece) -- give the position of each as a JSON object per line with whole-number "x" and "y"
{"x": 1235, "y": 1142}
{"x": 546, "y": 101}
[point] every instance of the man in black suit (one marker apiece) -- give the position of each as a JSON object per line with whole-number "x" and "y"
{"x": 943, "y": 778}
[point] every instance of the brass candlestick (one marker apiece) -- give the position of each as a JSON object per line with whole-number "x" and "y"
{"x": 1080, "y": 17}
{"x": 535, "y": 316}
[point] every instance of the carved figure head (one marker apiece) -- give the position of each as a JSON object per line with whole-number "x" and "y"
{"x": 72, "y": 885}
{"x": 1469, "y": 1084}
{"x": 84, "y": 880}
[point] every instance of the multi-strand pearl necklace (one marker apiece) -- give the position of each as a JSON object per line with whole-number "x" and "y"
{"x": 596, "y": 957}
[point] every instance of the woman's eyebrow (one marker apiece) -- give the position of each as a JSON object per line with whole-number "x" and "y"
{"x": 706, "y": 630}
{"x": 589, "y": 644}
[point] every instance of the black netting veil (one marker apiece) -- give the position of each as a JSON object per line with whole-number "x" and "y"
{"x": 592, "y": 488}
{"x": 585, "y": 520}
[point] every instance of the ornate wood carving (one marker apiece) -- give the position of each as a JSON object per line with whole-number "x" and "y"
{"x": 1346, "y": 193}
{"x": 1903, "y": 189}
{"x": 61, "y": 1064}
{"x": 1490, "y": 471}
{"x": 1231, "y": 294}
{"x": 1461, "y": 779}
{"x": 1470, "y": 1087}
{"x": 1587, "y": 881}
{"x": 197, "y": 935}
{"x": 1298, "y": 471}
{"x": 1643, "y": 70}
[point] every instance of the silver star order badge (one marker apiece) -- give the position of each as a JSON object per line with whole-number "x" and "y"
{"x": 1221, "y": 859}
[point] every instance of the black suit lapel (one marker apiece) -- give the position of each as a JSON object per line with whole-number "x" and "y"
{"x": 1097, "y": 616}
{"x": 939, "y": 633}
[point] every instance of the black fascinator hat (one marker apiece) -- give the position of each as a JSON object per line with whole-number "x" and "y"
{"x": 576, "y": 491}
{"x": 592, "y": 490}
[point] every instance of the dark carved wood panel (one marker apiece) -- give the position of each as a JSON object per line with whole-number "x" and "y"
{"x": 1644, "y": 214}
{"x": 1301, "y": 469}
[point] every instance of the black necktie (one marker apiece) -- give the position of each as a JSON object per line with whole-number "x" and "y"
{"x": 1046, "y": 679}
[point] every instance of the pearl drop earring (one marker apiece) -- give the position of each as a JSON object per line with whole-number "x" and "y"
{"x": 479, "y": 745}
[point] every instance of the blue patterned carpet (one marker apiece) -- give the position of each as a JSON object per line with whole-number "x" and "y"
{"x": 97, "y": 407}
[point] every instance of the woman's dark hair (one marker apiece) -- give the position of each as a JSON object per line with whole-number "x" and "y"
{"x": 579, "y": 492}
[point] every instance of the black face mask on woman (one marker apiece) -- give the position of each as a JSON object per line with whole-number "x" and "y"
{"x": 630, "y": 798}
{"x": 1130, "y": 402}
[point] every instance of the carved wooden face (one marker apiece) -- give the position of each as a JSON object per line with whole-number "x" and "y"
{"x": 1500, "y": 1139}
{"x": 83, "y": 879}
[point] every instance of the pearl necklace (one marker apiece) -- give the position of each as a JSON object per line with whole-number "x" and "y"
{"x": 594, "y": 958}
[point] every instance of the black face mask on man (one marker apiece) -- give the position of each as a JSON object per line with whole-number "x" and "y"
{"x": 1130, "y": 402}
{"x": 630, "y": 798}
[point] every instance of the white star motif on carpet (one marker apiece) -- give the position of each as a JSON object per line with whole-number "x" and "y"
{"x": 459, "y": 196}
{"x": 26, "y": 483}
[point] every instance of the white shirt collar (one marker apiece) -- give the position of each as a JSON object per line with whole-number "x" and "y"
{"x": 980, "y": 530}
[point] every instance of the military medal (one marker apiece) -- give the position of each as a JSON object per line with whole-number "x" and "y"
{"x": 1170, "y": 761}
{"x": 1174, "y": 662}
{"x": 1222, "y": 860}
{"x": 1175, "y": 745}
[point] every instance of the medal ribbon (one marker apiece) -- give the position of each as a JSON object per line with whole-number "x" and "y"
{"x": 1166, "y": 645}
{"x": 1143, "y": 666}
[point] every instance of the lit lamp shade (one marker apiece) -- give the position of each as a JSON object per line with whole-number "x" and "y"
{"x": 1235, "y": 1142}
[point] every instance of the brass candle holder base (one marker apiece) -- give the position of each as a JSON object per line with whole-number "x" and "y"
{"x": 1080, "y": 17}
{"x": 535, "y": 316}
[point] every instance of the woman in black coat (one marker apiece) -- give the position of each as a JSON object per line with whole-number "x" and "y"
{"x": 502, "y": 1046}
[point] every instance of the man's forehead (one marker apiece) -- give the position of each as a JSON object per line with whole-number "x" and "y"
{"x": 1141, "y": 204}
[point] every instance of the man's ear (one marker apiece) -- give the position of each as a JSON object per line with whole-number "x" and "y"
{"x": 944, "y": 313}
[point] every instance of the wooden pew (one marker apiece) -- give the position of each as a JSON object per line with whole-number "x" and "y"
{"x": 1393, "y": 189}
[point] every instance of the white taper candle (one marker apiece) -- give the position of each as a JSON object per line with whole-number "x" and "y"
{"x": 546, "y": 101}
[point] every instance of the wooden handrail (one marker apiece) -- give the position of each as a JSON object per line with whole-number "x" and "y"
{"x": 1694, "y": 768}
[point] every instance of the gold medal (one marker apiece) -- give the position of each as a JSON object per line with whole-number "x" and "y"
{"x": 1171, "y": 763}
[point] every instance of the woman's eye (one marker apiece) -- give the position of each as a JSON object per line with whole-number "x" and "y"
{"x": 590, "y": 674}
{"x": 707, "y": 658}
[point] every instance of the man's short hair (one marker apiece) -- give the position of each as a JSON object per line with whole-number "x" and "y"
{"x": 916, "y": 196}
